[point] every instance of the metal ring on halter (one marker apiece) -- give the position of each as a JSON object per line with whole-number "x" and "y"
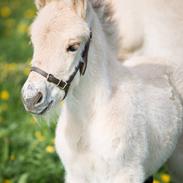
{"x": 48, "y": 76}
{"x": 63, "y": 87}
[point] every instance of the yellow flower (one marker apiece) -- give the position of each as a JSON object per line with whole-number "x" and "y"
{"x": 7, "y": 181}
{"x": 29, "y": 13}
{"x": 50, "y": 149}
{"x": 12, "y": 157}
{"x": 5, "y": 11}
{"x": 165, "y": 178}
{"x": 156, "y": 181}
{"x": 22, "y": 28}
{"x": 39, "y": 136}
{"x": 4, "y": 95}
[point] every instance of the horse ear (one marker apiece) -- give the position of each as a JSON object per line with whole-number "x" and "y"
{"x": 41, "y": 3}
{"x": 80, "y": 6}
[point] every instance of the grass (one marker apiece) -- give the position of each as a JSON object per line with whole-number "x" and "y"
{"x": 27, "y": 153}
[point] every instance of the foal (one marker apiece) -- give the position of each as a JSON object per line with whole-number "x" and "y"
{"x": 116, "y": 125}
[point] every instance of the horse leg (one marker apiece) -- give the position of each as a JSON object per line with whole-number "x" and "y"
{"x": 129, "y": 175}
{"x": 175, "y": 163}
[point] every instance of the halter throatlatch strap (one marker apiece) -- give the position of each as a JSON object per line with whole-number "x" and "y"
{"x": 64, "y": 85}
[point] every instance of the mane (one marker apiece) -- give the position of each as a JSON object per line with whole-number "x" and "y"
{"x": 105, "y": 14}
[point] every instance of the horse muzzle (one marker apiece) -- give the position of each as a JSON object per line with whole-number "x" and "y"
{"x": 35, "y": 97}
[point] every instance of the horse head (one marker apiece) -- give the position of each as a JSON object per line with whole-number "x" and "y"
{"x": 60, "y": 38}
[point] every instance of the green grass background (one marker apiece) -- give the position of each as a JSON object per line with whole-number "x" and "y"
{"x": 26, "y": 147}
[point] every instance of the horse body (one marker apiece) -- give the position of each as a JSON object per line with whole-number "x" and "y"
{"x": 119, "y": 123}
{"x": 120, "y": 137}
{"x": 117, "y": 126}
{"x": 150, "y": 29}
{"x": 146, "y": 28}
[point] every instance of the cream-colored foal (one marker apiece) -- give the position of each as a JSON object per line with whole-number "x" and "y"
{"x": 119, "y": 124}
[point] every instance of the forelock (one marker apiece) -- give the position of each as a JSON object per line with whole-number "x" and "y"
{"x": 57, "y": 17}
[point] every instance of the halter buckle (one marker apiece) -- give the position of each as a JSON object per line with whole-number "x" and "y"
{"x": 64, "y": 86}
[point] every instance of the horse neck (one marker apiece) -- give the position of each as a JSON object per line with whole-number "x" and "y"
{"x": 94, "y": 87}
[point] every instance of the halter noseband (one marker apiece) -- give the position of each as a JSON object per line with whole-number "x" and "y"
{"x": 64, "y": 85}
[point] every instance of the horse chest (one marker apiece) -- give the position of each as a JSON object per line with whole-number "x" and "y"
{"x": 82, "y": 154}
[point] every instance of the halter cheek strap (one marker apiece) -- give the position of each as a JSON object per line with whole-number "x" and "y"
{"x": 64, "y": 85}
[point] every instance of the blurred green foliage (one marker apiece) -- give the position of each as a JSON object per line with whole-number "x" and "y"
{"x": 15, "y": 16}
{"x": 27, "y": 153}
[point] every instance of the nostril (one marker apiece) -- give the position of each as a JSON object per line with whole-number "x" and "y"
{"x": 38, "y": 98}
{"x": 33, "y": 96}
{"x": 33, "y": 101}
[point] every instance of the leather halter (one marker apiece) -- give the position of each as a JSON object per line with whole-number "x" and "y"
{"x": 64, "y": 85}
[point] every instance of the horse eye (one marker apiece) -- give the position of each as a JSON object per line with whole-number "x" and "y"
{"x": 73, "y": 48}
